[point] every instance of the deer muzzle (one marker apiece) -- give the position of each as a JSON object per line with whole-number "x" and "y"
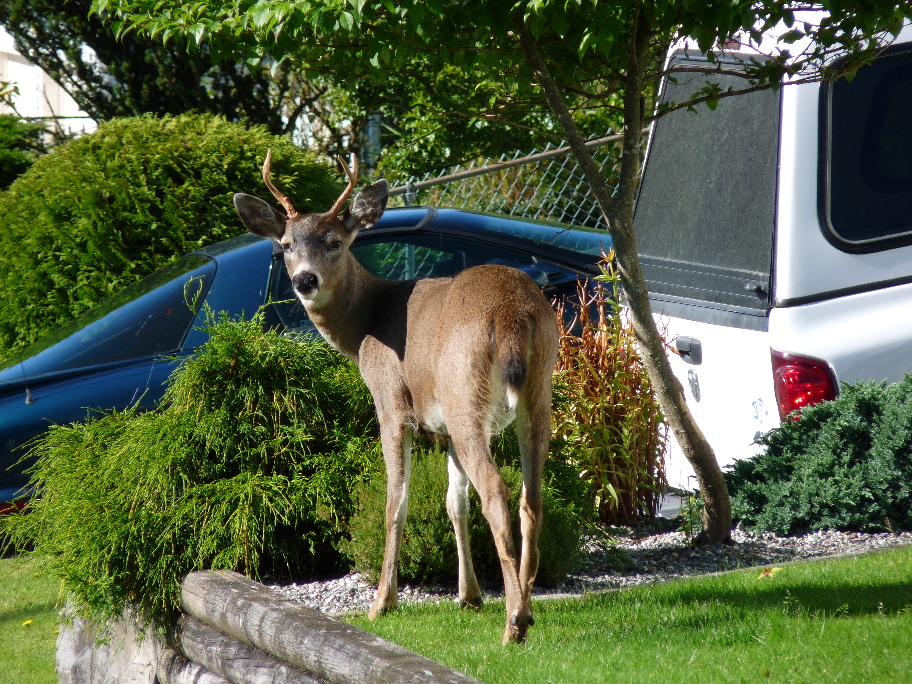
{"x": 305, "y": 283}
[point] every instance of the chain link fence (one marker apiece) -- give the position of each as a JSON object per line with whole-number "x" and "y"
{"x": 543, "y": 185}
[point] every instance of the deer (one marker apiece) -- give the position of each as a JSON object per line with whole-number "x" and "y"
{"x": 459, "y": 357}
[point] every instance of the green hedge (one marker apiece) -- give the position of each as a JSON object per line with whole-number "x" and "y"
{"x": 844, "y": 464}
{"x": 107, "y": 209}
{"x": 249, "y": 465}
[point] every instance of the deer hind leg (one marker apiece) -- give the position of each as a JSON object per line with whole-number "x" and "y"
{"x": 533, "y": 428}
{"x": 397, "y": 454}
{"x": 457, "y": 504}
{"x": 474, "y": 454}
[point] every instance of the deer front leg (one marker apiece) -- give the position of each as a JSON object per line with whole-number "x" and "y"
{"x": 397, "y": 454}
{"x": 457, "y": 503}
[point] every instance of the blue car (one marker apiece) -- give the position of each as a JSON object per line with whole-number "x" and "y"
{"x": 121, "y": 353}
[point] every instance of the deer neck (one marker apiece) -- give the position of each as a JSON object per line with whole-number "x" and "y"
{"x": 344, "y": 317}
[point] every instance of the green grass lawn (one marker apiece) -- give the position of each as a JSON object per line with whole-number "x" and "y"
{"x": 848, "y": 620}
{"x": 28, "y": 623}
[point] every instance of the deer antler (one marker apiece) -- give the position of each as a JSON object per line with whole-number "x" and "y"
{"x": 352, "y": 174}
{"x": 284, "y": 201}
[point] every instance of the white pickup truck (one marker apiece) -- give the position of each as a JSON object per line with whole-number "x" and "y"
{"x": 775, "y": 234}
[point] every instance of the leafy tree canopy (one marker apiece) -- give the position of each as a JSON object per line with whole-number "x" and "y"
{"x": 586, "y": 42}
{"x": 437, "y": 117}
{"x": 451, "y": 79}
{"x": 131, "y": 74}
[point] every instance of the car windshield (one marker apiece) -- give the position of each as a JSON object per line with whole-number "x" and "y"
{"x": 147, "y": 318}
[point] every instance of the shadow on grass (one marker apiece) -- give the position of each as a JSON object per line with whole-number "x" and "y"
{"x": 25, "y": 612}
{"x": 822, "y": 590}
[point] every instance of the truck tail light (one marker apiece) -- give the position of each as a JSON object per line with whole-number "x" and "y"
{"x": 800, "y": 382}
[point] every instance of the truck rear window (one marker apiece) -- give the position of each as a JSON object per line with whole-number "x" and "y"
{"x": 866, "y": 188}
{"x": 706, "y": 207}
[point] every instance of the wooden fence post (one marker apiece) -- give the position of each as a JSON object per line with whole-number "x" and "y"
{"x": 303, "y": 637}
{"x": 234, "y": 660}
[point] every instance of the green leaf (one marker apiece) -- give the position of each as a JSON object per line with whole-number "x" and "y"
{"x": 584, "y": 44}
{"x": 262, "y": 15}
{"x": 198, "y": 31}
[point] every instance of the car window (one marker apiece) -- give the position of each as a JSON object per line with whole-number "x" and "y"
{"x": 150, "y": 317}
{"x": 423, "y": 256}
{"x": 867, "y": 173}
{"x": 408, "y": 261}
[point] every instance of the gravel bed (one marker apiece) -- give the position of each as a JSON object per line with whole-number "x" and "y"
{"x": 634, "y": 558}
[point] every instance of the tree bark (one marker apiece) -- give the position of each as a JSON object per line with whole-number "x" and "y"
{"x": 618, "y": 214}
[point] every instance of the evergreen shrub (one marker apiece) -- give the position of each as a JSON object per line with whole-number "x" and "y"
{"x": 428, "y": 552}
{"x": 844, "y": 464}
{"x": 107, "y": 209}
{"x": 248, "y": 464}
{"x": 21, "y": 142}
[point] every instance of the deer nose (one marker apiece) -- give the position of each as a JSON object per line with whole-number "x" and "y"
{"x": 305, "y": 282}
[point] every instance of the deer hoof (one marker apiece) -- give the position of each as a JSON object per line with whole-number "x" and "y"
{"x": 517, "y": 627}
{"x": 379, "y": 608}
{"x": 514, "y": 635}
{"x": 515, "y": 621}
{"x": 474, "y": 603}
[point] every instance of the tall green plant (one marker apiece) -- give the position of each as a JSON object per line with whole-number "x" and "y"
{"x": 605, "y": 410}
{"x": 107, "y": 209}
{"x": 249, "y": 464}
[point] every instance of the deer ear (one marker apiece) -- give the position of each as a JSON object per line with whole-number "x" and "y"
{"x": 259, "y": 217}
{"x": 368, "y": 206}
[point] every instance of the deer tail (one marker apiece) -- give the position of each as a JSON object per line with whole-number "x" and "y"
{"x": 512, "y": 339}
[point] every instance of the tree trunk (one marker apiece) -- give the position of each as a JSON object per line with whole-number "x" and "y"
{"x": 618, "y": 214}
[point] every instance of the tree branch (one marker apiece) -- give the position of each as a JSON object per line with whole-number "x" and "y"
{"x": 565, "y": 118}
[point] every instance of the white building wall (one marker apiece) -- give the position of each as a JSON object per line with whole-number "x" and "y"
{"x": 39, "y": 96}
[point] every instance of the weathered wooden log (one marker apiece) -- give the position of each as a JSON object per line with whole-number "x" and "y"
{"x": 173, "y": 668}
{"x": 303, "y": 637}
{"x": 234, "y": 660}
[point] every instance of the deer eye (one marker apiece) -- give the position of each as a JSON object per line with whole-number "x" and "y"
{"x": 335, "y": 245}
{"x": 286, "y": 246}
